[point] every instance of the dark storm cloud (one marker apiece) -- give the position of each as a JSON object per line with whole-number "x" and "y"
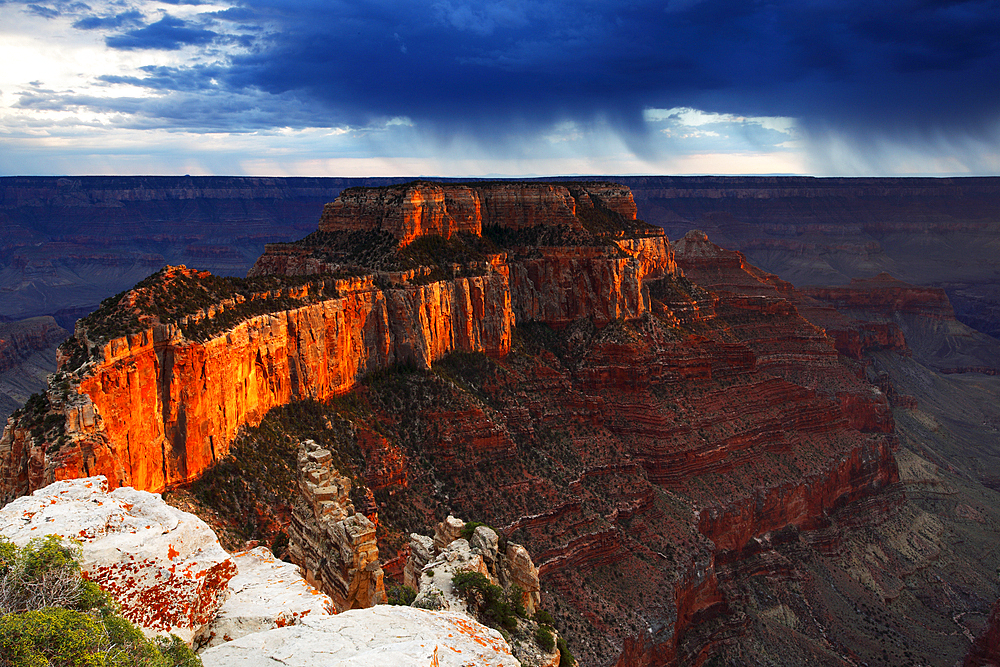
{"x": 169, "y": 33}
{"x": 508, "y": 67}
{"x": 202, "y": 111}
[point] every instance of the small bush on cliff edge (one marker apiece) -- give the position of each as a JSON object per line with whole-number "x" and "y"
{"x": 545, "y": 638}
{"x": 401, "y": 595}
{"x": 491, "y": 604}
{"x": 566, "y": 658}
{"x": 52, "y": 617}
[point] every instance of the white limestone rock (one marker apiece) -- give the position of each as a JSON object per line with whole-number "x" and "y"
{"x": 165, "y": 567}
{"x": 436, "y": 590}
{"x": 265, "y": 593}
{"x": 380, "y": 636}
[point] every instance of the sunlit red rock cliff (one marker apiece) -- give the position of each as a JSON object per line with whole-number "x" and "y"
{"x": 688, "y": 447}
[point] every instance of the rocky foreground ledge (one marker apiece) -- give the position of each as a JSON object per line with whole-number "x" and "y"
{"x": 167, "y": 570}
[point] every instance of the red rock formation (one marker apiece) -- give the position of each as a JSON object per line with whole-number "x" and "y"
{"x": 798, "y": 350}
{"x": 422, "y": 209}
{"x": 157, "y": 409}
{"x": 887, "y": 297}
{"x": 565, "y": 284}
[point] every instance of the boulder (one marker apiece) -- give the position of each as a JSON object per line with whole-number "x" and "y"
{"x": 165, "y": 567}
{"x": 265, "y": 593}
{"x": 486, "y": 542}
{"x": 447, "y": 532}
{"x": 384, "y": 635}
{"x": 520, "y": 571}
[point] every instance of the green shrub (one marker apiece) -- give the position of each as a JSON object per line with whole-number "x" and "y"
{"x": 516, "y": 597}
{"x": 53, "y": 636}
{"x": 544, "y": 617}
{"x": 51, "y": 617}
{"x": 470, "y": 527}
{"x": 44, "y": 573}
{"x": 176, "y": 652}
{"x": 492, "y": 605}
{"x": 566, "y": 658}
{"x": 401, "y": 595}
{"x": 545, "y": 638}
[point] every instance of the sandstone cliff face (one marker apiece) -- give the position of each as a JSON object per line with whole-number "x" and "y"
{"x": 423, "y": 209}
{"x": 156, "y": 409}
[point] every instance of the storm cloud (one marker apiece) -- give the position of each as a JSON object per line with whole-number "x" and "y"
{"x": 890, "y": 66}
{"x": 502, "y": 72}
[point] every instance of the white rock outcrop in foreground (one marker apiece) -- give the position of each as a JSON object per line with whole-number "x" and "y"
{"x": 380, "y": 636}
{"x": 164, "y": 566}
{"x": 266, "y": 593}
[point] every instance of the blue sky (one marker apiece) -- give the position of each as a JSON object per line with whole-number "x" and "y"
{"x": 505, "y": 88}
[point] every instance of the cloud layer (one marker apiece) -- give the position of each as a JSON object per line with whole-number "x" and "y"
{"x": 513, "y": 75}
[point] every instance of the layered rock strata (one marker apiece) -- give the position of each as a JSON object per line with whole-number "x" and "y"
{"x": 19, "y": 340}
{"x": 644, "y": 461}
{"x": 644, "y": 437}
{"x": 922, "y": 315}
{"x": 334, "y": 544}
{"x": 423, "y": 209}
{"x": 27, "y": 356}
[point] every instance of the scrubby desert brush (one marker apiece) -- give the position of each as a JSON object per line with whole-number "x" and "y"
{"x": 50, "y": 616}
